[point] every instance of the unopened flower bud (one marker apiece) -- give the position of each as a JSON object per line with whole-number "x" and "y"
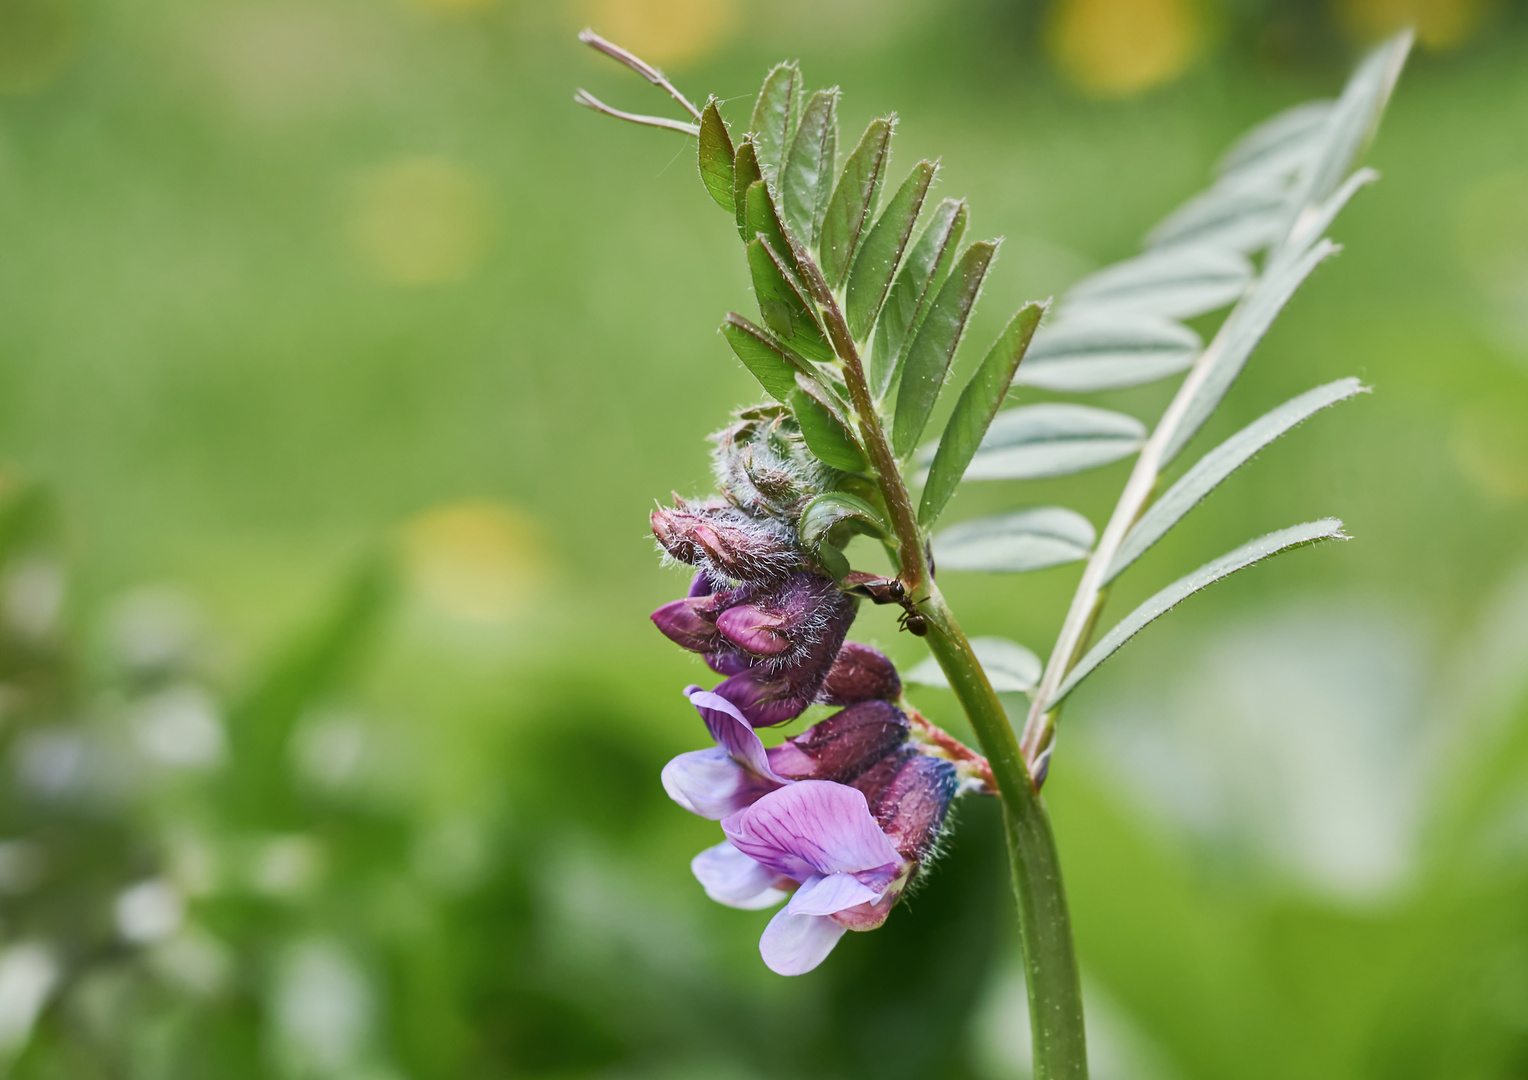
{"x": 844, "y": 745}
{"x": 726, "y": 541}
{"x": 860, "y": 673}
{"x": 754, "y": 630}
{"x": 765, "y": 699}
{"x": 689, "y": 623}
{"x": 910, "y": 808}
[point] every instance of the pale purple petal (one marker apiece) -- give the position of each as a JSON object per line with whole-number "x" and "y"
{"x": 795, "y": 944}
{"x": 815, "y": 827}
{"x": 831, "y": 894}
{"x": 732, "y": 731}
{"x": 732, "y": 878}
{"x": 711, "y": 784}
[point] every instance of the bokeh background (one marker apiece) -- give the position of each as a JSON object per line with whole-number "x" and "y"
{"x": 341, "y": 358}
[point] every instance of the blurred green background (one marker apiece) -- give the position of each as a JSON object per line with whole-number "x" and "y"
{"x": 341, "y": 358}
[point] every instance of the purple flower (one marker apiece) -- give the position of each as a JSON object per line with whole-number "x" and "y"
{"x": 690, "y": 623}
{"x": 725, "y": 542}
{"x": 732, "y": 878}
{"x": 844, "y": 745}
{"x": 739, "y": 770}
{"x": 909, "y": 800}
{"x": 860, "y": 673}
{"x": 822, "y": 835}
{"x": 730, "y": 775}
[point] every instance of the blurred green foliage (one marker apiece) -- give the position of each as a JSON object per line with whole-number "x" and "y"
{"x": 342, "y": 357}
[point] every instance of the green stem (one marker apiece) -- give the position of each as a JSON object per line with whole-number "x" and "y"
{"x": 1045, "y": 925}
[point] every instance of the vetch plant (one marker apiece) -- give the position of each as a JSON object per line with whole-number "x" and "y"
{"x": 861, "y": 312}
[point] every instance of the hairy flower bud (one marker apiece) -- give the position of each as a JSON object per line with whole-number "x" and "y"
{"x": 725, "y": 542}
{"x": 690, "y": 623}
{"x": 844, "y": 745}
{"x": 910, "y": 806}
{"x": 860, "y": 673}
{"x": 754, "y": 630}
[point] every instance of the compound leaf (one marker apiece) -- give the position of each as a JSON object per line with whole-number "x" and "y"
{"x": 1207, "y": 473}
{"x": 1184, "y": 587}
{"x": 774, "y": 116}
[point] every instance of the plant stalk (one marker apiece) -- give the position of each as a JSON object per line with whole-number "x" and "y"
{"x": 1045, "y": 926}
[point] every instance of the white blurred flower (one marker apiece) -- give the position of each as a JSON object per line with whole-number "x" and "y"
{"x": 179, "y": 727}
{"x": 28, "y": 973}
{"x": 1296, "y": 735}
{"x": 149, "y": 911}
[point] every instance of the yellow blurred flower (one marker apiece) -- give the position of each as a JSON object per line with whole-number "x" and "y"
{"x": 1490, "y": 446}
{"x": 477, "y": 560}
{"x": 1440, "y": 24}
{"x": 422, "y": 221}
{"x": 665, "y": 31}
{"x": 1116, "y": 48}
{"x": 37, "y": 40}
{"x": 455, "y": 5}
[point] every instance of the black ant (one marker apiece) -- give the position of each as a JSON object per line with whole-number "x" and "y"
{"x": 880, "y": 590}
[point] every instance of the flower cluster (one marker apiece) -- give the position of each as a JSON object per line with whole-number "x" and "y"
{"x": 839, "y": 818}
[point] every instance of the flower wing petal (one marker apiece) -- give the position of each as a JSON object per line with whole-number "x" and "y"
{"x": 732, "y": 731}
{"x": 732, "y": 878}
{"x": 795, "y": 944}
{"x": 711, "y": 784}
{"x": 831, "y": 894}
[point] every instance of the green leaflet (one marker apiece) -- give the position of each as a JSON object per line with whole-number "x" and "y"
{"x": 853, "y": 203}
{"x": 826, "y": 432}
{"x": 929, "y": 356}
{"x": 922, "y": 274}
{"x": 763, "y": 358}
{"x": 1207, "y": 473}
{"x": 1054, "y": 438}
{"x": 715, "y": 153}
{"x": 763, "y": 219}
{"x": 876, "y": 264}
{"x": 806, "y": 177}
{"x": 1010, "y": 667}
{"x": 783, "y": 304}
{"x": 1017, "y": 542}
{"x": 825, "y": 512}
{"x": 774, "y": 116}
{"x": 745, "y": 173}
{"x": 1184, "y": 587}
{"x": 973, "y": 414}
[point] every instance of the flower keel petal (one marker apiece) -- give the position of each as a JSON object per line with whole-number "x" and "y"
{"x": 795, "y": 944}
